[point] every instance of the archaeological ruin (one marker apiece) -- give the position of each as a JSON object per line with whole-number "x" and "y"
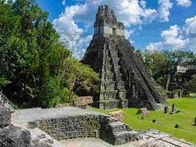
{"x": 125, "y": 81}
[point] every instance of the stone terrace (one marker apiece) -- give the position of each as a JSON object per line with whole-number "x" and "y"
{"x": 148, "y": 138}
{"x": 24, "y": 116}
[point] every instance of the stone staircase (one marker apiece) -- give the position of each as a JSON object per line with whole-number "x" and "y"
{"x": 108, "y": 91}
{"x": 120, "y": 84}
{"x": 118, "y": 133}
{"x": 113, "y": 93}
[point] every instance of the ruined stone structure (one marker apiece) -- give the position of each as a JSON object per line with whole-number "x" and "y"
{"x": 106, "y": 23}
{"x": 51, "y": 127}
{"x": 10, "y": 135}
{"x": 72, "y": 122}
{"x": 124, "y": 78}
{"x": 5, "y": 102}
{"x": 183, "y": 75}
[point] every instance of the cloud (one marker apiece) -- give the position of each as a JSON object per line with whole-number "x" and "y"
{"x": 82, "y": 45}
{"x": 154, "y": 46}
{"x": 68, "y": 24}
{"x": 184, "y": 3}
{"x": 132, "y": 12}
{"x": 143, "y": 3}
{"x": 177, "y": 38}
{"x": 164, "y": 9}
{"x": 63, "y": 2}
{"x": 190, "y": 26}
{"x": 67, "y": 28}
{"x": 173, "y": 38}
{"x": 128, "y": 33}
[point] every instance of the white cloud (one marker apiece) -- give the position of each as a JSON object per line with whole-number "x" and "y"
{"x": 82, "y": 45}
{"x": 184, "y": 3}
{"x": 192, "y": 45}
{"x": 164, "y": 9}
{"x": 143, "y": 3}
{"x": 67, "y": 28}
{"x": 177, "y": 38}
{"x": 129, "y": 12}
{"x": 133, "y": 12}
{"x": 190, "y": 26}
{"x": 154, "y": 46}
{"x": 171, "y": 39}
{"x": 128, "y": 33}
{"x": 63, "y": 2}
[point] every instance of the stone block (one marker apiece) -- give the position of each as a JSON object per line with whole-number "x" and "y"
{"x": 14, "y": 137}
{"x": 5, "y": 117}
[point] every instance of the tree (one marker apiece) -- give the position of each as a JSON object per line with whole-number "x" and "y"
{"x": 192, "y": 84}
{"x": 174, "y": 59}
{"x": 163, "y": 64}
{"x": 35, "y": 68}
{"x": 79, "y": 76}
{"x": 157, "y": 64}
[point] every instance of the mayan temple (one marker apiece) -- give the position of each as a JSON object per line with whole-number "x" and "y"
{"x": 125, "y": 81}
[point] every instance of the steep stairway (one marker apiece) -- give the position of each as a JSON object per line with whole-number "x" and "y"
{"x": 109, "y": 92}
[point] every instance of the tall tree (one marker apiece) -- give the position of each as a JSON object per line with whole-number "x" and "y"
{"x": 163, "y": 64}
{"x": 32, "y": 60}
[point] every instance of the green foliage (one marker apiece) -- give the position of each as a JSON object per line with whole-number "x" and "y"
{"x": 79, "y": 76}
{"x": 3, "y": 82}
{"x": 163, "y": 64}
{"x": 35, "y": 66}
{"x": 191, "y": 85}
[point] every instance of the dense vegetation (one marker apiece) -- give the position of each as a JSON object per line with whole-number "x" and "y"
{"x": 35, "y": 68}
{"x": 162, "y": 65}
{"x": 166, "y": 122}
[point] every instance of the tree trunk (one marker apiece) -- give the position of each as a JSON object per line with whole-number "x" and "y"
{"x": 168, "y": 81}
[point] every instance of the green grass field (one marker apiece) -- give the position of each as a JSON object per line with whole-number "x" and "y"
{"x": 166, "y": 122}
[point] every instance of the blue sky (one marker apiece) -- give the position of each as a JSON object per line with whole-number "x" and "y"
{"x": 150, "y": 24}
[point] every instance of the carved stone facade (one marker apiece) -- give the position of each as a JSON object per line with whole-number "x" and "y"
{"x": 124, "y": 78}
{"x": 106, "y": 23}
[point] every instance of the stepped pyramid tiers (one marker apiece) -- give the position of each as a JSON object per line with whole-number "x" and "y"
{"x": 124, "y": 79}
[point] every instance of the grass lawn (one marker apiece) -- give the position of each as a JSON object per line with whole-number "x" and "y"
{"x": 166, "y": 122}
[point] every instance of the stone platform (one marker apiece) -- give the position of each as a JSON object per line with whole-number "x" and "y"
{"x": 52, "y": 126}
{"x": 24, "y": 116}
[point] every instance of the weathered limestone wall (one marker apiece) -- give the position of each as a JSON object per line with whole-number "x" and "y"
{"x": 72, "y": 122}
{"x": 106, "y": 31}
{"x": 106, "y": 23}
{"x": 120, "y": 32}
{"x": 71, "y": 127}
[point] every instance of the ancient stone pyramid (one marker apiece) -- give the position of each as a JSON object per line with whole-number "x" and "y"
{"x": 124, "y": 79}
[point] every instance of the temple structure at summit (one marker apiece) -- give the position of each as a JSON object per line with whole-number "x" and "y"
{"x": 124, "y": 79}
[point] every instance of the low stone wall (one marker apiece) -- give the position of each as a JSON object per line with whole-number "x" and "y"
{"x": 73, "y": 122}
{"x": 71, "y": 127}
